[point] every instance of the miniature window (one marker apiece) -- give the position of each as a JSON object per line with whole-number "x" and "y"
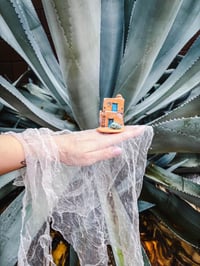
{"x": 114, "y": 107}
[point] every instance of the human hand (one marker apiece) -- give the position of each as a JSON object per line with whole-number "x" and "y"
{"x": 89, "y": 146}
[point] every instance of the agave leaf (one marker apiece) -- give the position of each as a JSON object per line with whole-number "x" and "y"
{"x": 187, "y": 197}
{"x": 6, "y": 129}
{"x": 163, "y": 160}
{"x": 183, "y": 79}
{"x": 4, "y": 103}
{"x": 25, "y": 107}
{"x": 74, "y": 261}
{"x": 42, "y": 101}
{"x": 128, "y": 9}
{"x": 144, "y": 205}
{"x": 178, "y": 215}
{"x": 176, "y": 166}
{"x": 180, "y": 82}
{"x": 190, "y": 160}
{"x": 145, "y": 258}
{"x": 10, "y": 226}
{"x": 179, "y": 185}
{"x": 181, "y": 135}
{"x": 13, "y": 120}
{"x": 40, "y": 37}
{"x": 75, "y": 29}
{"x": 6, "y": 183}
{"x": 25, "y": 34}
{"x": 7, "y": 178}
{"x": 185, "y": 26}
{"x": 154, "y": 19}
{"x": 188, "y": 109}
{"x": 111, "y": 47}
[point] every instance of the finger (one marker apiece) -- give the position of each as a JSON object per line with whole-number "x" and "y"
{"x": 98, "y": 140}
{"x": 99, "y": 155}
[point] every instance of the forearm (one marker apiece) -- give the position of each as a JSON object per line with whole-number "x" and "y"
{"x": 11, "y": 154}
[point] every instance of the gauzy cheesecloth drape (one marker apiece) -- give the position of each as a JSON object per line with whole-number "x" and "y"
{"x": 92, "y": 206}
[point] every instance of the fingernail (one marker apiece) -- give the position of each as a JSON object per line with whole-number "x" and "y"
{"x": 117, "y": 150}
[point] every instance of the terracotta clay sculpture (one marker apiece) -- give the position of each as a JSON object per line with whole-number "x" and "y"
{"x": 111, "y": 118}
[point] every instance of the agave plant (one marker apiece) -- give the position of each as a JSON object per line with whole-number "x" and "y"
{"x": 131, "y": 47}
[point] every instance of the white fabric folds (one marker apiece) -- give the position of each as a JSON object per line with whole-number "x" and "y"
{"x": 91, "y": 206}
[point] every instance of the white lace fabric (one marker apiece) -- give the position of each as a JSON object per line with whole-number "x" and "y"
{"x": 90, "y": 206}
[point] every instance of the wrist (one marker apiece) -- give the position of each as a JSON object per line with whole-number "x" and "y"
{"x": 13, "y": 156}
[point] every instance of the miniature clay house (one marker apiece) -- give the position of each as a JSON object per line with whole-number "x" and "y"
{"x": 111, "y": 118}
